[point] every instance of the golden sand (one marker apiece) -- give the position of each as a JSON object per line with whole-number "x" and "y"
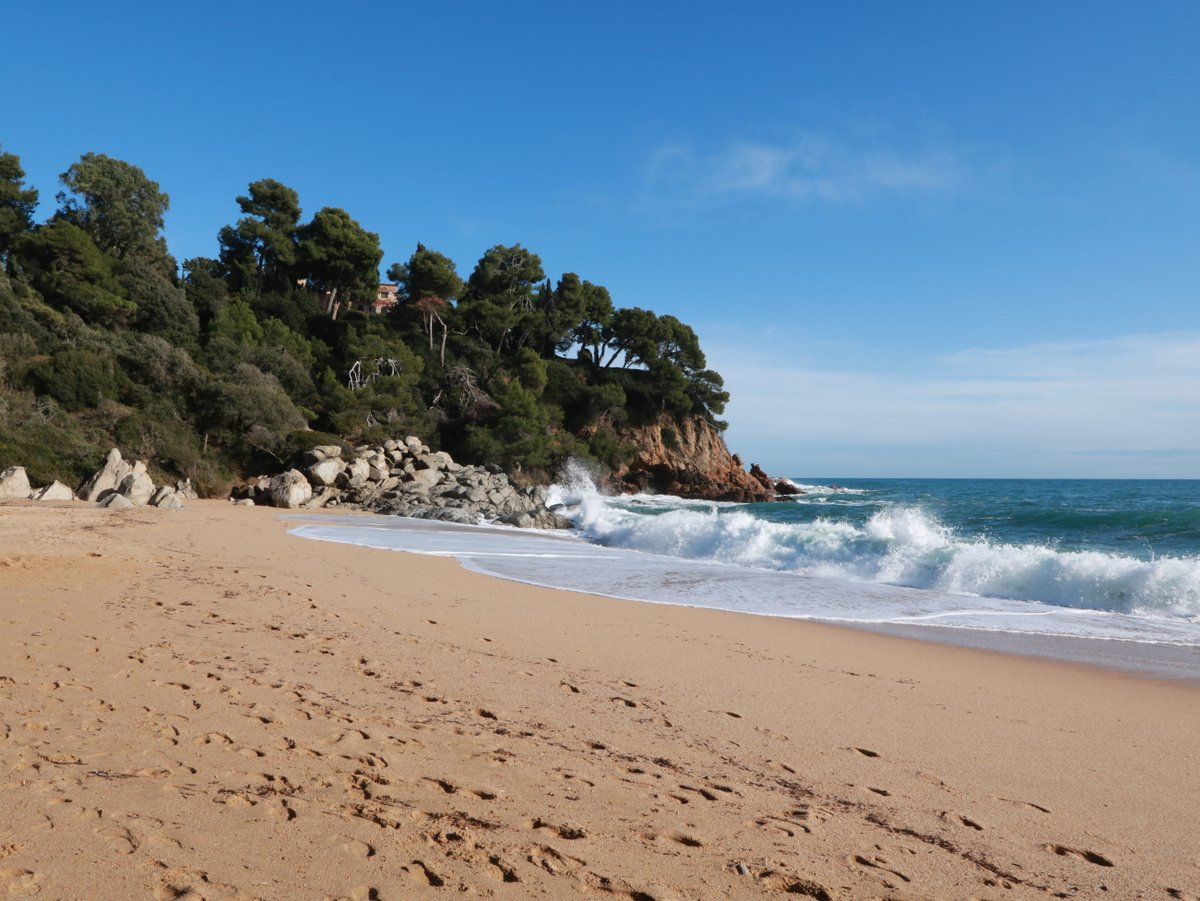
{"x": 195, "y": 704}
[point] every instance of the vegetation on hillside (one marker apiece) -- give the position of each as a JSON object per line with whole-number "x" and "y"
{"x": 226, "y": 365}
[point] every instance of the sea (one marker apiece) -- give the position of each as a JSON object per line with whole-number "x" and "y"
{"x": 1099, "y": 571}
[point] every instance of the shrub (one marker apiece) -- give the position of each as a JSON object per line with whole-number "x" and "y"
{"x": 75, "y": 378}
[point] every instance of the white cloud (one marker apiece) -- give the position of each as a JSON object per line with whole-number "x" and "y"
{"x": 1126, "y": 407}
{"x": 810, "y": 168}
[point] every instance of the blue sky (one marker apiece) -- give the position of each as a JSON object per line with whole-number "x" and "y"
{"x": 923, "y": 239}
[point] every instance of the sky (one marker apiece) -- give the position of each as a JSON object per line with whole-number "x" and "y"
{"x": 919, "y": 239}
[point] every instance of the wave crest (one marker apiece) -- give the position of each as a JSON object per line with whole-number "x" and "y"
{"x": 906, "y": 546}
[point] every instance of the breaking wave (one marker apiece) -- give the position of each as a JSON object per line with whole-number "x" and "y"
{"x": 901, "y": 545}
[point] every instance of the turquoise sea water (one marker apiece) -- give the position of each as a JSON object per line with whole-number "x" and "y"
{"x": 1128, "y": 546}
{"x": 1092, "y": 561}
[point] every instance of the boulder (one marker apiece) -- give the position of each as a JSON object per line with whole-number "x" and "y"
{"x": 322, "y": 497}
{"x": 55, "y": 491}
{"x": 326, "y": 471}
{"x": 324, "y": 452}
{"x": 185, "y": 490}
{"x": 787, "y": 487}
{"x": 289, "y": 489}
{"x": 15, "y": 483}
{"x": 166, "y": 497}
{"x": 106, "y": 479}
{"x": 425, "y": 478}
{"x": 117, "y": 501}
{"x": 137, "y": 486}
{"x": 757, "y": 473}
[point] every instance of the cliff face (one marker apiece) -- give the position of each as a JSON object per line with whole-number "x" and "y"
{"x": 688, "y": 458}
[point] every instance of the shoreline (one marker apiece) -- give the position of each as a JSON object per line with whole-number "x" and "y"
{"x": 197, "y": 701}
{"x": 1170, "y": 663}
{"x": 1151, "y": 659}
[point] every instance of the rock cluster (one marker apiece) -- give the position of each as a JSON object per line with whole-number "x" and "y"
{"x": 117, "y": 483}
{"x": 403, "y": 478}
{"x": 776, "y": 486}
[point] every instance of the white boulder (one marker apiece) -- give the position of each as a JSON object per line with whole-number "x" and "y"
{"x": 290, "y": 489}
{"x": 107, "y": 478}
{"x": 15, "y": 483}
{"x": 55, "y": 491}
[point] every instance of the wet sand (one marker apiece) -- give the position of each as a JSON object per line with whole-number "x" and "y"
{"x": 194, "y": 704}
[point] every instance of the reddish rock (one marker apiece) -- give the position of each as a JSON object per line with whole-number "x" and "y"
{"x": 692, "y": 461}
{"x": 761, "y": 477}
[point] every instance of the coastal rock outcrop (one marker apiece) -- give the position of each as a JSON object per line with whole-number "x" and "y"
{"x": 289, "y": 489}
{"x": 14, "y": 483}
{"x": 55, "y": 491}
{"x": 686, "y": 457}
{"x": 131, "y": 483}
{"x": 106, "y": 479}
{"x": 137, "y": 486}
{"x": 759, "y": 475}
{"x": 403, "y": 478}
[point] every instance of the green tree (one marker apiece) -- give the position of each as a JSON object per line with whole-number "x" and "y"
{"x": 570, "y": 310}
{"x": 427, "y": 273}
{"x": 163, "y": 305}
{"x": 17, "y": 203}
{"x": 498, "y": 305}
{"x": 259, "y": 253}
{"x": 631, "y": 334}
{"x": 669, "y": 351}
{"x": 64, "y": 264}
{"x": 76, "y": 378}
{"x": 205, "y": 288}
{"x": 427, "y": 284}
{"x": 114, "y": 202}
{"x": 237, "y": 322}
{"x": 248, "y": 409}
{"x": 594, "y": 318}
{"x": 523, "y": 433}
{"x": 339, "y": 257}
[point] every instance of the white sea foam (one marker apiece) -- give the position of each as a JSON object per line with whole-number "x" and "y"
{"x": 566, "y": 561}
{"x": 901, "y": 546}
{"x": 900, "y": 566}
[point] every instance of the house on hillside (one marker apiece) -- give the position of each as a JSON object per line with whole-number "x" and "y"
{"x": 385, "y": 298}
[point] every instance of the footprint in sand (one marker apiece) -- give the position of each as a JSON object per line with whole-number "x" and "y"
{"x": 1090, "y": 856}
{"x": 567, "y": 831}
{"x": 679, "y": 838}
{"x": 879, "y": 863}
{"x": 420, "y": 871}
{"x": 777, "y": 881}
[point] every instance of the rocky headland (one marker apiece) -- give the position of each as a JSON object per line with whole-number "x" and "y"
{"x": 687, "y": 457}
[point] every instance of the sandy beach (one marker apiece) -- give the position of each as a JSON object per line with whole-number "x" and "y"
{"x": 196, "y": 704}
